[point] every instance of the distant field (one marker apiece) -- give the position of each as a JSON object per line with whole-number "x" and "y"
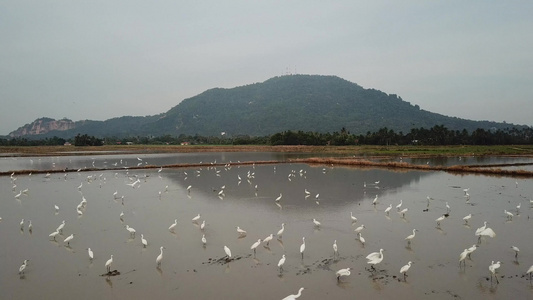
{"x": 340, "y": 150}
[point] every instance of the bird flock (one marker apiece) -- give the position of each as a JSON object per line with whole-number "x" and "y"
{"x": 379, "y": 203}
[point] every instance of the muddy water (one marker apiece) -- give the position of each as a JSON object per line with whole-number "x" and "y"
{"x": 191, "y": 271}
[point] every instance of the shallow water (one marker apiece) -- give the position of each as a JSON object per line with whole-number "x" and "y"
{"x": 191, "y": 271}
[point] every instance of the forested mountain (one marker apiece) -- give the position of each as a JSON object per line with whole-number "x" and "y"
{"x": 293, "y": 102}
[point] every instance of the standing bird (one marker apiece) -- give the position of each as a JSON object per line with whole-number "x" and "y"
{"x": 173, "y": 225}
{"x": 360, "y": 228}
{"x": 447, "y": 208}
{"x": 131, "y": 230}
{"x": 280, "y": 232}
{"x": 68, "y": 239}
{"x": 361, "y": 239}
{"x": 375, "y": 201}
{"x": 281, "y": 262}
{"x": 144, "y": 241}
{"x": 375, "y": 258}
{"x": 399, "y": 205}
{"x": 268, "y": 239}
{"x": 108, "y": 264}
{"x": 241, "y": 231}
{"x": 54, "y": 234}
{"x": 409, "y": 238}
{"x": 493, "y": 268}
{"x": 403, "y": 211}
{"x": 387, "y": 210}
{"x": 471, "y": 249}
{"x": 196, "y": 218}
{"x": 302, "y": 247}
{"x": 23, "y": 266}
{"x": 462, "y": 257}
{"x": 293, "y": 297}
{"x": 202, "y": 226}
{"x": 228, "y": 252}
{"x": 159, "y": 257}
{"x": 279, "y": 197}
{"x": 354, "y": 219}
{"x": 254, "y": 245}
{"x": 22, "y": 224}
{"x": 509, "y": 214}
{"x": 30, "y": 227}
{"x": 342, "y": 272}
{"x": 90, "y": 252}
{"x": 204, "y": 241}
{"x": 440, "y": 219}
{"x": 335, "y": 249}
{"x": 466, "y": 218}
{"x": 404, "y": 270}
{"x": 516, "y": 250}
{"x": 317, "y": 224}
{"x": 530, "y": 272}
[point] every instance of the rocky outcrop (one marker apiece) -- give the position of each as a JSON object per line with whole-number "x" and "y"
{"x": 43, "y": 125}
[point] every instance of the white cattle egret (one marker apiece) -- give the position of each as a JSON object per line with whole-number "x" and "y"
{"x": 405, "y": 268}
{"x": 293, "y": 297}
{"x": 342, "y": 272}
{"x": 173, "y": 226}
{"x": 360, "y": 228}
{"x": 228, "y": 252}
{"x": 254, "y": 245}
{"x": 241, "y": 231}
{"x": 268, "y": 239}
{"x": 68, "y": 239}
{"x": 281, "y": 262}
{"x": 108, "y": 263}
{"x": 302, "y": 247}
{"x": 409, "y": 238}
{"x": 159, "y": 257}
{"x": 280, "y": 232}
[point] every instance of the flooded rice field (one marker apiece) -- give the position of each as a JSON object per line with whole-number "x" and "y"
{"x": 98, "y": 207}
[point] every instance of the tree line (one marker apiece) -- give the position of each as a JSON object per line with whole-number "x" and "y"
{"x": 437, "y": 135}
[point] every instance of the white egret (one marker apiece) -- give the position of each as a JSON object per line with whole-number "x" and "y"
{"x": 409, "y": 238}
{"x": 466, "y": 218}
{"x": 173, "y": 226}
{"x": 56, "y": 207}
{"x": 342, "y": 272}
{"x": 80, "y": 186}
{"x": 159, "y": 257}
{"x": 530, "y": 272}
{"x": 115, "y": 195}
{"x": 54, "y": 234}
{"x": 279, "y": 197}
{"x": 281, "y": 262}
{"x": 108, "y": 263}
{"x": 462, "y": 257}
{"x": 293, "y": 297}
{"x": 144, "y": 241}
{"x": 60, "y": 227}
{"x": 375, "y": 258}
{"x": 189, "y": 188}
{"x": 241, "y": 231}
{"x": 268, "y": 239}
{"x": 516, "y": 250}
{"x": 317, "y": 224}
{"x": 202, "y": 226}
{"x": 121, "y": 215}
{"x": 480, "y": 229}
{"x": 399, "y": 205}
{"x": 68, "y": 239}
{"x": 440, "y": 219}
{"x": 335, "y": 248}
{"x": 447, "y": 207}
{"x": 375, "y": 201}
{"x": 22, "y": 224}
{"x": 30, "y": 227}
{"x": 493, "y": 268}
{"x": 302, "y": 247}
{"x": 472, "y": 249}
{"x": 509, "y": 214}
{"x": 280, "y": 232}
{"x": 204, "y": 241}
{"x": 518, "y": 208}
{"x": 403, "y": 211}
{"x": 254, "y": 245}
{"x": 131, "y": 230}
{"x": 387, "y": 210}
{"x": 405, "y": 268}
{"x": 23, "y": 266}
{"x": 228, "y": 252}
{"x": 360, "y": 228}
{"x": 354, "y": 219}
{"x": 195, "y": 219}
{"x": 307, "y": 192}
{"x": 361, "y": 239}
{"x": 487, "y": 232}
{"x": 90, "y": 252}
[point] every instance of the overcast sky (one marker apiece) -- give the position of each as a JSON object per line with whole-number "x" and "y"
{"x": 103, "y": 59}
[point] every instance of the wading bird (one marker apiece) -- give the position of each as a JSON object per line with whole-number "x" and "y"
{"x": 342, "y": 272}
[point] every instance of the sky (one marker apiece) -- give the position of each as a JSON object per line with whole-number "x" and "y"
{"x": 103, "y": 59}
